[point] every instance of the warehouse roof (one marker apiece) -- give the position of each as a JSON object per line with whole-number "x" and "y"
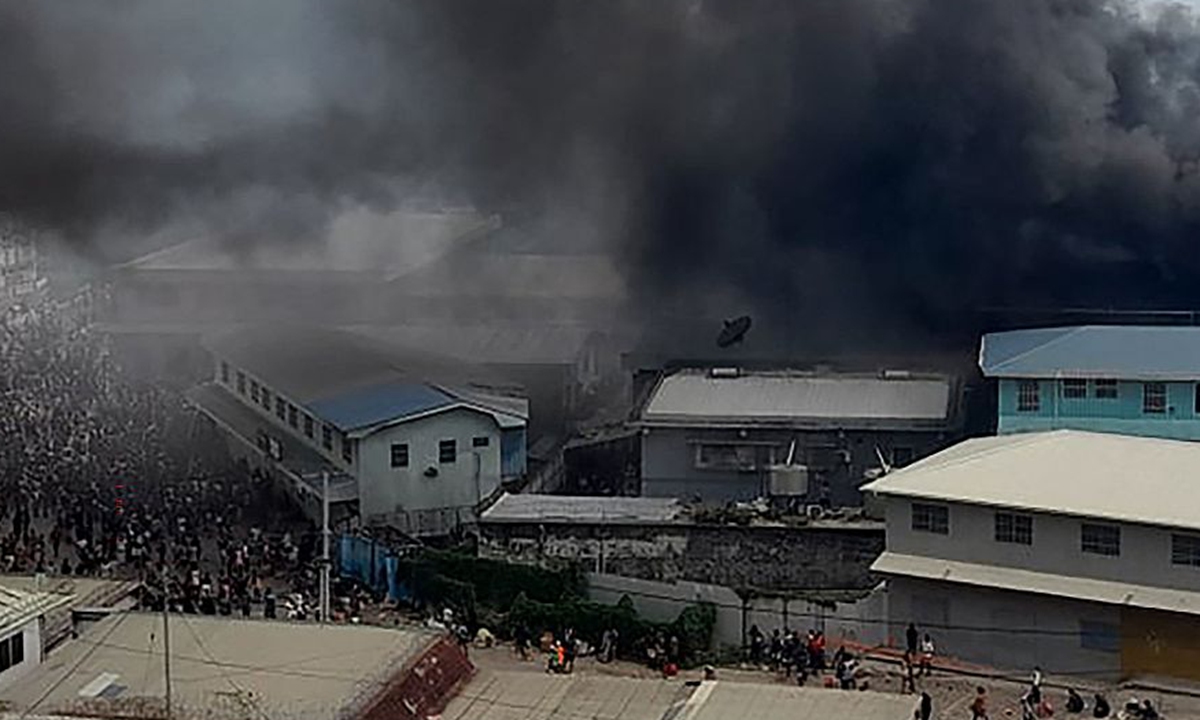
{"x": 353, "y": 382}
{"x": 18, "y": 607}
{"x": 795, "y": 398}
{"x": 220, "y": 667}
{"x": 358, "y": 241}
{"x": 1056, "y": 584}
{"x": 1100, "y": 351}
{"x": 1116, "y": 477}
{"x": 565, "y": 509}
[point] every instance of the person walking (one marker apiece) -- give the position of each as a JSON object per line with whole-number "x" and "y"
{"x": 927, "y": 653}
{"x": 925, "y": 707}
{"x": 911, "y": 636}
{"x": 979, "y": 705}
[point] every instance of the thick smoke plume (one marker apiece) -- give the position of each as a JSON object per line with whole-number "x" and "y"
{"x": 896, "y": 159}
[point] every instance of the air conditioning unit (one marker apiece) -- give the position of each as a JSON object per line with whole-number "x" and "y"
{"x": 789, "y": 480}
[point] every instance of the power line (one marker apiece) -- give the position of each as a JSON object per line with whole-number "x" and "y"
{"x": 82, "y": 659}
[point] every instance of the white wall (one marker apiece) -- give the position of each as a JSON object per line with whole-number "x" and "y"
{"x": 33, "y": 653}
{"x": 1003, "y": 629}
{"x": 384, "y": 489}
{"x": 1145, "y": 557}
{"x": 863, "y": 621}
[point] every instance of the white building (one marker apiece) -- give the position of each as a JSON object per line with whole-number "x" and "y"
{"x": 1075, "y": 551}
{"x": 22, "y": 615}
{"x": 414, "y": 448}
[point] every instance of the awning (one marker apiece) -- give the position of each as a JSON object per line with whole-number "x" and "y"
{"x": 1006, "y": 578}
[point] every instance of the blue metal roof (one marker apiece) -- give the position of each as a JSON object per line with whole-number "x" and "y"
{"x": 366, "y": 406}
{"x": 1099, "y": 351}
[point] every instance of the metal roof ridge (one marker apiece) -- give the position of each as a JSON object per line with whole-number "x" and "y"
{"x": 1041, "y": 346}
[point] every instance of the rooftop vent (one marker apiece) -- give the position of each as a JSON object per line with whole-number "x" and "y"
{"x": 896, "y": 374}
{"x": 725, "y": 372}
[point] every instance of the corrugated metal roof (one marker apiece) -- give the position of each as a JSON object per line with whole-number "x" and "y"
{"x": 844, "y": 400}
{"x": 18, "y": 607}
{"x": 1100, "y": 351}
{"x": 1067, "y": 586}
{"x": 303, "y": 671}
{"x": 374, "y": 404}
{"x": 1117, "y": 477}
{"x": 567, "y": 509}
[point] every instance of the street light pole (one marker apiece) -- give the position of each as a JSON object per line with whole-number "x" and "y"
{"x": 325, "y": 562}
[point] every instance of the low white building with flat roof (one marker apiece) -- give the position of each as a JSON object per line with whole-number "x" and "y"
{"x": 22, "y": 620}
{"x": 1075, "y": 551}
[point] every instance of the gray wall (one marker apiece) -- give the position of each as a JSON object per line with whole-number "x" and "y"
{"x": 1145, "y": 557}
{"x": 1002, "y": 629}
{"x": 768, "y": 558}
{"x": 669, "y": 460}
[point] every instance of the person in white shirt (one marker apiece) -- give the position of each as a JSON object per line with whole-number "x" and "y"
{"x": 927, "y": 653}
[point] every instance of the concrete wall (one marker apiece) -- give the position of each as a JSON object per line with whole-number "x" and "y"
{"x": 669, "y": 460}
{"x": 1008, "y": 630}
{"x": 473, "y": 475}
{"x": 1145, "y": 551}
{"x": 768, "y": 558}
{"x": 32, "y": 644}
{"x": 1122, "y": 414}
{"x": 860, "y": 621}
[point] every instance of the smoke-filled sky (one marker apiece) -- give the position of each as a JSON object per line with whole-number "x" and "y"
{"x": 906, "y": 159}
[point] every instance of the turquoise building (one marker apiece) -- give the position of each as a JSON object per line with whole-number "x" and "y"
{"x": 1131, "y": 380}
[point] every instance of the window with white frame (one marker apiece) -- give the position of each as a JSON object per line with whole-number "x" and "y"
{"x": 12, "y": 651}
{"x": 726, "y": 456}
{"x": 1074, "y": 388}
{"x": 309, "y": 426}
{"x": 399, "y": 452}
{"x": 1029, "y": 397}
{"x": 1099, "y": 539}
{"x": 1154, "y": 398}
{"x": 447, "y": 451}
{"x": 1014, "y": 528}
{"x": 347, "y": 448}
{"x": 241, "y": 383}
{"x": 1185, "y": 550}
{"x": 931, "y": 518}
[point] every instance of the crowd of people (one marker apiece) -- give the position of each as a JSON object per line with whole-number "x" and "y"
{"x": 109, "y": 476}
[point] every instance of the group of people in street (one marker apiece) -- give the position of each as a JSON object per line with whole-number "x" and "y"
{"x": 106, "y": 475}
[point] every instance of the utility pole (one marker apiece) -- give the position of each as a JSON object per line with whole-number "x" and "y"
{"x": 325, "y": 562}
{"x": 167, "y": 638}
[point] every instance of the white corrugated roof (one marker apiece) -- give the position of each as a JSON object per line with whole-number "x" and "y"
{"x": 18, "y": 607}
{"x": 694, "y": 396}
{"x": 1067, "y": 586}
{"x": 1117, "y": 477}
{"x": 561, "y": 508}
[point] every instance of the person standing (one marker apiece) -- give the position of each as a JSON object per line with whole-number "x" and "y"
{"x": 911, "y": 636}
{"x": 925, "y": 707}
{"x": 979, "y": 705}
{"x": 927, "y": 652}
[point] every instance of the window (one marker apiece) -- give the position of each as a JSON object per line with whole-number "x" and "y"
{"x": 1196, "y": 402}
{"x": 480, "y": 441}
{"x": 1185, "y": 550}
{"x": 725, "y": 457}
{"x": 266, "y": 399}
{"x": 280, "y": 408}
{"x": 12, "y": 651}
{"x": 1074, "y": 388}
{"x": 1106, "y": 389}
{"x": 1028, "y": 396}
{"x": 447, "y": 451}
{"x": 902, "y": 456}
{"x": 931, "y": 518}
{"x": 225, "y": 372}
{"x": 1105, "y": 637}
{"x": 327, "y": 437}
{"x": 293, "y": 416}
{"x": 1154, "y": 398}
{"x": 309, "y": 426}
{"x": 1100, "y": 539}
{"x": 347, "y": 449}
{"x": 241, "y": 383}
{"x": 1014, "y": 528}
{"x": 399, "y": 455}
{"x": 254, "y": 390}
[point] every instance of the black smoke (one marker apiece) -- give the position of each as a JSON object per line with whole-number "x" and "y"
{"x": 902, "y": 161}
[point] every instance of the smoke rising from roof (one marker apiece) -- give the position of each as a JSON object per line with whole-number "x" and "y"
{"x": 895, "y": 159}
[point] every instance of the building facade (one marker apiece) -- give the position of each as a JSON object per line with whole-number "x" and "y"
{"x": 1075, "y": 551}
{"x": 399, "y": 450}
{"x": 22, "y": 617}
{"x": 1119, "y": 379}
{"x": 717, "y": 434}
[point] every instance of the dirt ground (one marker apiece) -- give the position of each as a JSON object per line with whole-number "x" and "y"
{"x": 952, "y": 694}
